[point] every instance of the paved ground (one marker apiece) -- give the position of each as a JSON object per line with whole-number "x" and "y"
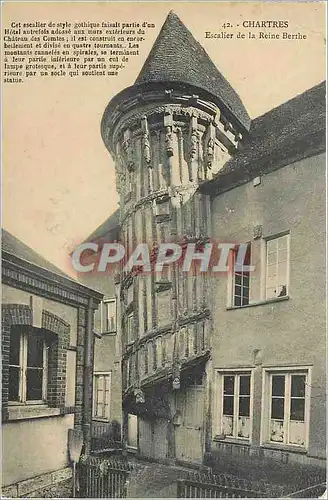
{"x": 154, "y": 481}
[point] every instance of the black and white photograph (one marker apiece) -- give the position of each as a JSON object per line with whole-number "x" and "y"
{"x": 163, "y": 249}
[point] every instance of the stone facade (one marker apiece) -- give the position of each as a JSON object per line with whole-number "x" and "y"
{"x": 192, "y": 168}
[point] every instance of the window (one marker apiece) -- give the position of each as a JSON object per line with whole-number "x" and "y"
{"x": 287, "y": 408}
{"x": 277, "y": 264}
{"x": 130, "y": 328}
{"x": 235, "y": 405}
{"x": 108, "y": 316}
{"x": 195, "y": 378}
{"x": 241, "y": 278}
{"x": 27, "y": 366}
{"x": 101, "y": 396}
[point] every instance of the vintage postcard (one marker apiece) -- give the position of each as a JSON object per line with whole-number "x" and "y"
{"x": 163, "y": 249}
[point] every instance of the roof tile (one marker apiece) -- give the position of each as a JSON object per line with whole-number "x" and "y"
{"x": 177, "y": 57}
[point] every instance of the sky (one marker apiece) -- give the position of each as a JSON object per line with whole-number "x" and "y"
{"x": 58, "y": 179}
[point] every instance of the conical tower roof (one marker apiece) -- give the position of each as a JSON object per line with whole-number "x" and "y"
{"x": 177, "y": 57}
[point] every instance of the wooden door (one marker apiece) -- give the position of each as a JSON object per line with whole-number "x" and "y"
{"x": 145, "y": 438}
{"x": 190, "y": 434}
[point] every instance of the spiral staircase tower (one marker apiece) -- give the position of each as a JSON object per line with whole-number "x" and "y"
{"x": 168, "y": 133}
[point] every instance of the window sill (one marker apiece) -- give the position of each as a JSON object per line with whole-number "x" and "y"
{"x": 259, "y": 303}
{"x": 230, "y": 440}
{"x": 31, "y": 412}
{"x": 284, "y": 447}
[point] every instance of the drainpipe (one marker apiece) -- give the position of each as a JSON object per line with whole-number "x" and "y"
{"x": 87, "y": 382}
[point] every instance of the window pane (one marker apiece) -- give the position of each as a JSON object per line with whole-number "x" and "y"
{"x": 245, "y": 299}
{"x": 110, "y": 308}
{"x": 298, "y": 386}
{"x": 229, "y": 384}
{"x": 282, "y": 256}
{"x": 241, "y": 288}
{"x": 100, "y": 383}
{"x": 271, "y": 293}
{"x": 297, "y": 433}
{"x": 277, "y": 431}
{"x": 13, "y": 383}
{"x": 244, "y": 384}
{"x": 271, "y": 245}
{"x": 244, "y": 406}
{"x": 14, "y": 348}
{"x": 278, "y": 385}
{"x": 100, "y": 397}
{"x": 237, "y": 301}
{"x": 272, "y": 270}
{"x": 277, "y": 408}
{"x": 244, "y": 427}
{"x": 297, "y": 409}
{"x": 282, "y": 271}
{"x": 227, "y": 425}
{"x": 99, "y": 411}
{"x": 282, "y": 242}
{"x": 34, "y": 351}
{"x": 272, "y": 259}
{"x": 247, "y": 259}
{"x": 34, "y": 384}
{"x": 246, "y": 279}
{"x": 238, "y": 279}
{"x": 228, "y": 405}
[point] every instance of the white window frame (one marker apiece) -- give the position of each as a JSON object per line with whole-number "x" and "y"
{"x": 265, "y": 266}
{"x": 220, "y": 373}
{"x": 234, "y": 253}
{"x": 266, "y": 405}
{"x": 94, "y": 405}
{"x": 103, "y": 315}
{"x": 22, "y": 381}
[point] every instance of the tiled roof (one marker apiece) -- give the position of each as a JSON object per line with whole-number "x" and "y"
{"x": 294, "y": 130}
{"x": 108, "y": 229}
{"x": 15, "y": 247}
{"x": 177, "y": 57}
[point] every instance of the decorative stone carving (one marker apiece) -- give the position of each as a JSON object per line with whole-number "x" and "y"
{"x": 128, "y": 150}
{"x": 176, "y": 383}
{"x": 145, "y": 141}
{"x": 169, "y": 141}
{"x": 168, "y": 125}
{"x": 194, "y": 138}
{"x": 140, "y": 396}
{"x": 184, "y": 113}
{"x": 257, "y": 232}
{"x": 210, "y": 152}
